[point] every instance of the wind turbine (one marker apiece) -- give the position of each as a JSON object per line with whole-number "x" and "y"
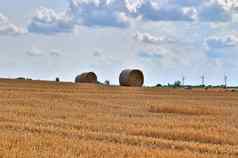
{"x": 203, "y": 80}
{"x": 183, "y": 80}
{"x": 225, "y": 80}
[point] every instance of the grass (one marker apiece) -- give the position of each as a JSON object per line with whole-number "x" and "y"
{"x": 48, "y": 119}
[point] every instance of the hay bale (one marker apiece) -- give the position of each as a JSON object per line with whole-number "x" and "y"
{"x": 231, "y": 90}
{"x": 131, "y": 78}
{"x": 88, "y": 77}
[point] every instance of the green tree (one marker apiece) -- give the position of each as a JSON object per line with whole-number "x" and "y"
{"x": 177, "y": 83}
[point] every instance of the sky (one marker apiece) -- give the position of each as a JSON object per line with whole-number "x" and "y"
{"x": 167, "y": 39}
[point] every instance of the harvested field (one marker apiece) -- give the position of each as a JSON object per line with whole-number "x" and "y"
{"x": 50, "y": 119}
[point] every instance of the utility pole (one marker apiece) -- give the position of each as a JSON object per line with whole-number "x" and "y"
{"x": 203, "y": 80}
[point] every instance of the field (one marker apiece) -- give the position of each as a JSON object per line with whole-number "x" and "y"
{"x": 65, "y": 120}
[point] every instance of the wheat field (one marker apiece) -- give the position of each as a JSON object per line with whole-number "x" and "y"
{"x": 66, "y": 120}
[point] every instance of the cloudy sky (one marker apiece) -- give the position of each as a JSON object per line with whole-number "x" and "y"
{"x": 167, "y": 39}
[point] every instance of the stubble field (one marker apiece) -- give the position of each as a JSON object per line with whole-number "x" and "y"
{"x": 49, "y": 119}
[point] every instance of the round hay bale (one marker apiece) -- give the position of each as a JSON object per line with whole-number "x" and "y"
{"x": 131, "y": 78}
{"x": 88, "y": 77}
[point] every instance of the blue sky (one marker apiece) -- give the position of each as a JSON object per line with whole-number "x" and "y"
{"x": 167, "y": 39}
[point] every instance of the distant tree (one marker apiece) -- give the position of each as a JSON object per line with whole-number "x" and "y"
{"x": 209, "y": 86}
{"x": 57, "y": 79}
{"x": 107, "y": 82}
{"x": 177, "y": 84}
{"x": 158, "y": 85}
{"x": 21, "y": 78}
{"x": 100, "y": 83}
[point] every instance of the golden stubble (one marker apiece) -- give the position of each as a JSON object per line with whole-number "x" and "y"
{"x": 48, "y": 119}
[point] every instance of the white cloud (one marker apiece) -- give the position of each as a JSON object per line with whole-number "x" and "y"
{"x": 8, "y": 28}
{"x": 133, "y": 5}
{"x": 222, "y": 42}
{"x": 99, "y": 13}
{"x": 118, "y": 13}
{"x": 214, "y": 10}
{"x": 166, "y": 11}
{"x": 105, "y": 12}
{"x": 47, "y": 21}
{"x": 150, "y": 55}
{"x": 97, "y": 53}
{"x": 34, "y": 52}
{"x": 55, "y": 53}
{"x": 150, "y": 39}
{"x": 228, "y": 4}
{"x": 167, "y": 57}
{"x": 186, "y": 10}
